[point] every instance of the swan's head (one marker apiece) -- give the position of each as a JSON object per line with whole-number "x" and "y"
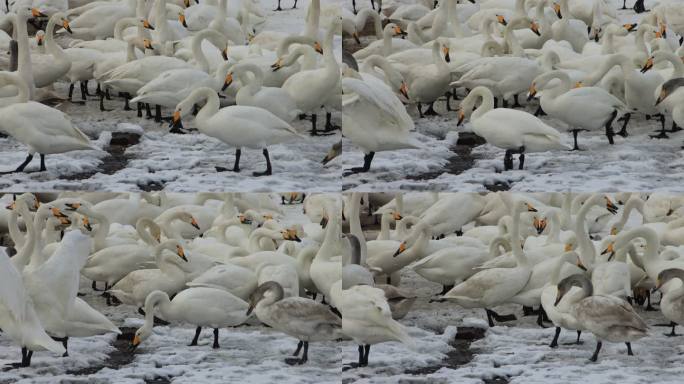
{"x": 539, "y": 224}
{"x": 35, "y": 12}
{"x": 668, "y": 88}
{"x": 244, "y": 219}
{"x": 40, "y": 37}
{"x": 146, "y": 24}
{"x": 85, "y": 221}
{"x": 188, "y": 218}
{"x": 403, "y": 89}
{"x": 65, "y": 25}
{"x": 290, "y": 234}
{"x": 147, "y": 43}
{"x": 268, "y": 292}
{"x": 609, "y": 250}
{"x": 648, "y": 64}
{"x": 535, "y": 28}
{"x": 334, "y": 151}
{"x": 668, "y": 274}
{"x": 228, "y": 81}
{"x": 629, "y": 27}
{"x": 400, "y": 250}
{"x": 577, "y": 280}
{"x": 181, "y": 19}
{"x": 610, "y": 206}
{"x": 318, "y": 47}
{"x": 501, "y": 20}
{"x": 277, "y": 65}
{"x": 557, "y": 9}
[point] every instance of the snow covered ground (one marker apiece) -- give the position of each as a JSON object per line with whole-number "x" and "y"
{"x": 248, "y": 354}
{"x": 513, "y": 352}
{"x": 177, "y": 162}
{"x": 633, "y": 163}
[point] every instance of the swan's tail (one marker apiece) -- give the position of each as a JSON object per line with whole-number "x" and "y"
{"x": 400, "y": 333}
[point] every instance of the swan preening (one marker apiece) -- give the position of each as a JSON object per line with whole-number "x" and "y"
{"x": 592, "y": 69}
{"x": 156, "y": 54}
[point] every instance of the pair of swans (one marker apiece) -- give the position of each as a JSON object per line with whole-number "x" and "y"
{"x": 523, "y": 133}
{"x": 43, "y": 129}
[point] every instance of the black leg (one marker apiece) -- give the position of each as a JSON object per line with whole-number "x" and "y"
{"x": 594, "y": 357}
{"x": 672, "y": 333}
{"x": 554, "y": 342}
{"x": 430, "y": 111}
{"x": 83, "y": 90}
{"x": 675, "y": 127}
{"x": 367, "y": 159}
{"x": 21, "y": 166}
{"x": 540, "y": 317}
{"x": 305, "y": 356}
{"x": 313, "y": 124}
{"x": 299, "y": 348}
{"x": 268, "y": 170}
{"x": 625, "y": 120}
{"x": 197, "y": 335}
{"x": 157, "y": 115}
{"x": 420, "y": 110}
{"x": 496, "y": 102}
{"x": 140, "y": 107}
{"x": 579, "y": 334}
{"x": 42, "y": 163}
{"x": 148, "y": 111}
{"x": 236, "y": 165}
{"x": 624, "y": 4}
{"x": 295, "y": 5}
{"x": 216, "y": 343}
{"x": 516, "y": 104}
{"x": 629, "y": 349}
{"x": 85, "y": 87}
{"x": 278, "y": 9}
{"x": 508, "y": 160}
{"x": 521, "y": 159}
{"x": 609, "y": 128}
{"x": 366, "y": 353}
{"x": 662, "y": 134}
{"x": 489, "y": 317}
{"x": 71, "y": 91}
{"x": 94, "y": 286}
{"x": 329, "y": 126}
{"x": 361, "y": 355}
{"x": 65, "y": 344}
{"x": 539, "y": 112}
{"x": 102, "y": 97}
{"x": 574, "y": 136}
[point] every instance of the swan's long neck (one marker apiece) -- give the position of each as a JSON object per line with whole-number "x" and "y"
{"x": 313, "y": 18}
{"x": 123, "y": 24}
{"x": 261, "y": 233}
{"x": 496, "y": 244}
{"x": 332, "y": 234}
{"x": 387, "y": 34}
{"x": 21, "y": 258}
{"x": 198, "y": 52}
{"x": 50, "y": 45}
{"x": 257, "y": 80}
{"x": 102, "y": 229}
{"x": 384, "y": 227}
{"x": 554, "y": 233}
{"x": 39, "y": 224}
{"x": 23, "y": 90}
{"x": 587, "y": 250}
{"x": 516, "y": 245}
{"x": 677, "y": 63}
{"x": 143, "y": 228}
{"x": 210, "y": 108}
{"x": 564, "y": 86}
{"x": 25, "y": 68}
{"x": 417, "y": 251}
{"x": 355, "y": 222}
{"x": 613, "y": 60}
{"x": 439, "y": 61}
{"x": 513, "y": 44}
{"x": 486, "y": 105}
{"x": 564, "y": 258}
{"x": 162, "y": 26}
{"x": 160, "y": 301}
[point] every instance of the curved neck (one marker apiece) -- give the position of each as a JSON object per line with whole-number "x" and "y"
{"x": 567, "y": 257}
{"x": 634, "y": 202}
{"x": 676, "y": 61}
{"x": 123, "y": 24}
{"x": 332, "y": 234}
{"x": 144, "y": 228}
{"x": 159, "y": 301}
{"x": 25, "y": 69}
{"x": 387, "y": 34}
{"x": 384, "y": 226}
{"x": 22, "y": 257}
{"x": 254, "y": 83}
{"x": 554, "y": 232}
{"x": 261, "y": 233}
{"x": 50, "y": 45}
{"x": 586, "y": 247}
{"x": 516, "y": 245}
{"x": 496, "y": 244}
{"x": 285, "y": 44}
{"x": 437, "y": 58}
{"x": 211, "y": 106}
{"x": 197, "y": 50}
{"x": 355, "y": 222}
{"x": 486, "y": 104}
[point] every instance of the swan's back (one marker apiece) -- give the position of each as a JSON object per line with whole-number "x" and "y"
{"x": 610, "y": 318}
{"x": 304, "y": 319}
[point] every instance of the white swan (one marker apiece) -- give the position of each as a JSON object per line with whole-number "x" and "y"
{"x": 252, "y": 93}
{"x": 238, "y": 126}
{"x": 239, "y": 281}
{"x": 492, "y": 287}
{"x": 672, "y": 303}
{"x": 201, "y": 306}
{"x": 584, "y": 108}
{"x": 43, "y": 129}
{"x": 609, "y": 318}
{"x": 522, "y": 132}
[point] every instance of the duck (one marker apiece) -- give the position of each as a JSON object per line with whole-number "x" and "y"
{"x": 298, "y": 317}
{"x": 201, "y": 306}
{"x": 609, "y": 318}
{"x": 524, "y": 133}
{"x": 43, "y": 129}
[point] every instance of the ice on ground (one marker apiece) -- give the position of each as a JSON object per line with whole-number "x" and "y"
{"x": 180, "y": 163}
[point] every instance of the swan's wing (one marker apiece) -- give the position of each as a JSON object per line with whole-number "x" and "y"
{"x": 381, "y": 97}
{"x": 529, "y": 124}
{"x": 595, "y": 94}
{"x": 12, "y": 293}
{"x": 259, "y": 115}
{"x": 304, "y": 309}
{"x": 610, "y": 310}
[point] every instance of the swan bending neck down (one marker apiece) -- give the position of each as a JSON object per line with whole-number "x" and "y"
{"x": 43, "y": 129}
{"x": 609, "y": 318}
{"x": 522, "y": 132}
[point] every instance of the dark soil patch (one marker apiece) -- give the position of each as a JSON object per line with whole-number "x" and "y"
{"x": 460, "y": 162}
{"x": 498, "y": 186}
{"x": 117, "y": 159}
{"x": 119, "y": 357}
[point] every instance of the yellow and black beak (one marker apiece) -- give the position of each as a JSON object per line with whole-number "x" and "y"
{"x": 663, "y": 31}
{"x": 355, "y": 35}
{"x": 501, "y": 20}
{"x": 630, "y": 26}
{"x": 86, "y": 224}
{"x": 334, "y": 151}
{"x": 539, "y": 225}
{"x": 559, "y": 296}
{"x": 318, "y": 48}
{"x": 224, "y": 53}
{"x": 244, "y": 220}
{"x": 445, "y": 51}
{"x": 403, "y": 89}
{"x": 176, "y": 120}
{"x": 648, "y": 65}
{"x": 57, "y": 213}
{"x": 291, "y": 234}
{"x": 181, "y": 252}
{"x": 66, "y": 26}
{"x": 461, "y": 117}
{"x": 578, "y": 85}
{"x": 39, "y": 40}
{"x": 181, "y": 19}
{"x": 532, "y": 91}
{"x": 557, "y": 9}
{"x": 401, "y": 249}
{"x": 398, "y": 31}
{"x": 147, "y": 25}
{"x": 251, "y": 308}
{"x": 530, "y": 208}
{"x": 147, "y": 43}
{"x": 610, "y": 249}
{"x": 73, "y": 206}
{"x": 228, "y": 81}
{"x": 580, "y": 265}
{"x": 612, "y": 208}
{"x": 37, "y": 13}
{"x": 567, "y": 247}
{"x": 535, "y": 28}
{"x": 277, "y": 65}
{"x": 658, "y": 285}
{"x": 193, "y": 222}
{"x": 396, "y": 216}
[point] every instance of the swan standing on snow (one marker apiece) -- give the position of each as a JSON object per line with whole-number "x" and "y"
{"x": 609, "y": 318}
{"x": 238, "y": 126}
{"x": 301, "y": 318}
{"x": 672, "y": 304}
{"x": 43, "y": 129}
{"x": 200, "y": 306}
{"x": 584, "y": 108}
{"x": 509, "y": 129}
